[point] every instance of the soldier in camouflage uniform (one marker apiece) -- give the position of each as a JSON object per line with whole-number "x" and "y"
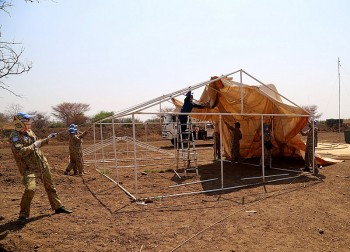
{"x": 267, "y": 146}
{"x": 76, "y": 161}
{"x": 236, "y": 137}
{"x": 311, "y": 134}
{"x": 32, "y": 164}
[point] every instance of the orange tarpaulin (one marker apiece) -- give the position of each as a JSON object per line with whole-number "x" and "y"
{"x": 286, "y": 121}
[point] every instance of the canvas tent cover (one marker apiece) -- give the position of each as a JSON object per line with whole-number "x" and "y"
{"x": 224, "y": 96}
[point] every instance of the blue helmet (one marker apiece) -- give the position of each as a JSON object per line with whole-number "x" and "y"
{"x": 74, "y": 126}
{"x": 313, "y": 122}
{"x": 72, "y": 131}
{"x": 22, "y": 115}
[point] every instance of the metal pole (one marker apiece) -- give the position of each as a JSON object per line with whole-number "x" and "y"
{"x": 135, "y": 161}
{"x": 221, "y": 153}
{"x": 274, "y": 91}
{"x": 95, "y": 154}
{"x": 222, "y": 189}
{"x": 115, "y": 149}
{"x": 146, "y": 131}
{"x": 160, "y": 111}
{"x": 339, "y": 92}
{"x": 313, "y": 144}
{"x": 102, "y": 149}
{"x": 241, "y": 89}
{"x": 262, "y": 149}
{"x": 163, "y": 98}
{"x": 194, "y": 182}
{"x": 115, "y": 182}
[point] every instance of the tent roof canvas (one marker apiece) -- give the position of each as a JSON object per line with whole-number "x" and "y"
{"x": 251, "y": 106}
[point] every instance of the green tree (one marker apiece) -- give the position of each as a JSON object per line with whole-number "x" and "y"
{"x": 102, "y": 115}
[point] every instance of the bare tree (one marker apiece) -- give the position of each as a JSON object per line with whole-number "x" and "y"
{"x": 3, "y": 118}
{"x": 69, "y": 113}
{"x": 12, "y": 110}
{"x": 11, "y": 55}
{"x": 40, "y": 120}
{"x": 312, "y": 109}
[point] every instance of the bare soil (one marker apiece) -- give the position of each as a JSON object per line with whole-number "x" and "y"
{"x": 306, "y": 213}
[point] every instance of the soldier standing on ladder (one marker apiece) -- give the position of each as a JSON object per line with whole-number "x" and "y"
{"x": 187, "y": 108}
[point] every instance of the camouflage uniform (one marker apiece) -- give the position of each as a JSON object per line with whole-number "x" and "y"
{"x": 217, "y": 150}
{"x": 75, "y": 153}
{"x": 267, "y": 149}
{"x": 309, "y": 150}
{"x": 237, "y": 136}
{"x": 32, "y": 164}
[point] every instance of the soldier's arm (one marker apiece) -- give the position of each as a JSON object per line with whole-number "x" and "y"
{"x": 21, "y": 149}
{"x": 83, "y": 134}
{"x": 229, "y": 126}
{"x": 76, "y": 138}
{"x": 195, "y": 105}
{"x": 303, "y": 133}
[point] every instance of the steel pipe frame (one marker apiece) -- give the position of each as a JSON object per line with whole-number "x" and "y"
{"x": 136, "y": 110}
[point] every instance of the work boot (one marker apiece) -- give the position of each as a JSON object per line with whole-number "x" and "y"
{"x": 62, "y": 209}
{"x": 21, "y": 220}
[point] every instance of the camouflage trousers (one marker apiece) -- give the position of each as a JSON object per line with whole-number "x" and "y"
{"x": 308, "y": 157}
{"x": 29, "y": 182}
{"x": 76, "y": 164}
{"x": 267, "y": 156}
{"x": 235, "y": 152}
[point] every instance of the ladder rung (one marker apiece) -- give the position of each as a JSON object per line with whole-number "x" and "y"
{"x": 191, "y": 169}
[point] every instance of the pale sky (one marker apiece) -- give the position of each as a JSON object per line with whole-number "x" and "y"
{"x": 115, "y": 54}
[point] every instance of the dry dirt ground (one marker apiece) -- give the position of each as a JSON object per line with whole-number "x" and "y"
{"x": 306, "y": 213}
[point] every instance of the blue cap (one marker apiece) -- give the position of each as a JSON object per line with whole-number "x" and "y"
{"x": 72, "y": 131}
{"x": 24, "y": 115}
{"x": 74, "y": 126}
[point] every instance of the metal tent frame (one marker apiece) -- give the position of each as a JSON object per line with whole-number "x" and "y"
{"x": 139, "y": 110}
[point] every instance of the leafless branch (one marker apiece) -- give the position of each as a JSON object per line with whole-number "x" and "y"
{"x": 4, "y": 5}
{"x": 10, "y": 55}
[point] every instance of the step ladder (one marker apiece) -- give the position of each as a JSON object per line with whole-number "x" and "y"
{"x": 186, "y": 148}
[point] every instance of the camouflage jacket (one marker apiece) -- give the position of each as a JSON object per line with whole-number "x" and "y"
{"x": 267, "y": 136}
{"x": 75, "y": 142}
{"x": 309, "y": 138}
{"x": 237, "y": 135}
{"x": 28, "y": 158}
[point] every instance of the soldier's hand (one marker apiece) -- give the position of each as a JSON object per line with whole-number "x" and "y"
{"x": 37, "y": 144}
{"x": 52, "y": 135}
